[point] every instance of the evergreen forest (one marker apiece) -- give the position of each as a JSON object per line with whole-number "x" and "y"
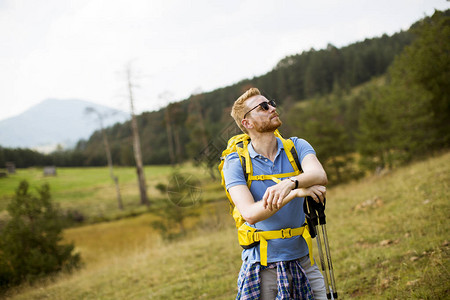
{"x": 368, "y": 106}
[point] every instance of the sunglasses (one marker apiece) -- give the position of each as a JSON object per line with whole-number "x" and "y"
{"x": 264, "y": 105}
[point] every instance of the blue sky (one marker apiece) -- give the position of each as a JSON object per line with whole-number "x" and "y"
{"x": 80, "y": 49}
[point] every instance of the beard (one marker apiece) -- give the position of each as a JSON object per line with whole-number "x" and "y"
{"x": 269, "y": 126}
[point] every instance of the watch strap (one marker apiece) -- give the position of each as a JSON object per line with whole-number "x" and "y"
{"x": 293, "y": 179}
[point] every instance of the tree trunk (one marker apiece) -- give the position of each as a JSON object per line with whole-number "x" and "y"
{"x": 177, "y": 143}
{"x": 110, "y": 165}
{"x": 137, "y": 146}
{"x": 169, "y": 135}
{"x": 108, "y": 155}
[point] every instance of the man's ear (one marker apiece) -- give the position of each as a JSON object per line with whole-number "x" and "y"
{"x": 247, "y": 124}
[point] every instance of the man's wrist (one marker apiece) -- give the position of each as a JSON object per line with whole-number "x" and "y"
{"x": 295, "y": 181}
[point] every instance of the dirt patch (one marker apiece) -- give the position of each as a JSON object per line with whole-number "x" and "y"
{"x": 375, "y": 202}
{"x": 385, "y": 243}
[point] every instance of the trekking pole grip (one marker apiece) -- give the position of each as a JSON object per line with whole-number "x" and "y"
{"x": 319, "y": 209}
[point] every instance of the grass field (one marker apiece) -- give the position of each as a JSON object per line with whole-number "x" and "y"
{"x": 389, "y": 238}
{"x": 91, "y": 192}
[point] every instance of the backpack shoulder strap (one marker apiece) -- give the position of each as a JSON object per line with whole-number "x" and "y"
{"x": 243, "y": 161}
{"x": 291, "y": 152}
{"x": 294, "y": 154}
{"x": 246, "y": 163}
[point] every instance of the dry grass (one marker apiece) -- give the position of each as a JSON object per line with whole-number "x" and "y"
{"x": 126, "y": 260}
{"x": 389, "y": 237}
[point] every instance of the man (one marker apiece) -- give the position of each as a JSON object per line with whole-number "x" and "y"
{"x": 268, "y": 206}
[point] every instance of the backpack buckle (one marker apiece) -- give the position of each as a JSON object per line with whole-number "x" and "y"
{"x": 286, "y": 233}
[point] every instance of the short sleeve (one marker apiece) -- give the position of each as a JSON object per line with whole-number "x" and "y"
{"x": 232, "y": 171}
{"x": 303, "y": 148}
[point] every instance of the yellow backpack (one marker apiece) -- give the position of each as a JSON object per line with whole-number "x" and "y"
{"x": 248, "y": 236}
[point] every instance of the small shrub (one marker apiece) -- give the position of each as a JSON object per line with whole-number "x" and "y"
{"x": 183, "y": 200}
{"x": 30, "y": 241}
{"x": 73, "y": 216}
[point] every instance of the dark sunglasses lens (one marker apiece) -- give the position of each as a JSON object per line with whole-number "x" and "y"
{"x": 272, "y": 103}
{"x": 264, "y": 105}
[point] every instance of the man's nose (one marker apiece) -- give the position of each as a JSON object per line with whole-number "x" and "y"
{"x": 271, "y": 108}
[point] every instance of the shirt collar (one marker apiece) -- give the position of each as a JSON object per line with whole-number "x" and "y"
{"x": 254, "y": 154}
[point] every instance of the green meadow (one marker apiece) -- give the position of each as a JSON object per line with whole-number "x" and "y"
{"x": 91, "y": 191}
{"x": 389, "y": 237}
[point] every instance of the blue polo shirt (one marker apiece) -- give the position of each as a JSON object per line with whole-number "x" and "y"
{"x": 289, "y": 216}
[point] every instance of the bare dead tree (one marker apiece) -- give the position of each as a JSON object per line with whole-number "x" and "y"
{"x": 198, "y": 122}
{"x": 137, "y": 143}
{"x": 90, "y": 110}
{"x": 169, "y": 134}
{"x": 196, "y": 110}
{"x": 165, "y": 96}
{"x": 176, "y": 120}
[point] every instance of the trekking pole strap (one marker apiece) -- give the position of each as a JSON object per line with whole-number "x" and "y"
{"x": 316, "y": 211}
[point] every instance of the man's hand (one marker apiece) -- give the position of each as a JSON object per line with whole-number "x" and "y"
{"x": 317, "y": 192}
{"x": 274, "y": 195}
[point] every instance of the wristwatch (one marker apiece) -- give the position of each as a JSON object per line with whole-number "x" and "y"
{"x": 294, "y": 180}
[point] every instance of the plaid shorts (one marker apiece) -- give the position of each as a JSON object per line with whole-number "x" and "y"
{"x": 249, "y": 281}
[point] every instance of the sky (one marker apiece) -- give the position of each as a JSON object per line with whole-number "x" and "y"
{"x": 66, "y": 49}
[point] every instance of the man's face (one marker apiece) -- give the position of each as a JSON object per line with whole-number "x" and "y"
{"x": 263, "y": 120}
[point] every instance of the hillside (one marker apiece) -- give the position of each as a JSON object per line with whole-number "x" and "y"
{"x": 53, "y": 122}
{"x": 388, "y": 237}
{"x": 357, "y": 124}
{"x": 202, "y": 118}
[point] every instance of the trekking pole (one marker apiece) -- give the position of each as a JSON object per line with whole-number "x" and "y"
{"x": 313, "y": 222}
{"x": 320, "y": 208}
{"x": 330, "y": 264}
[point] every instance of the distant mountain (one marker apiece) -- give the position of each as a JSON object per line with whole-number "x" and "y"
{"x": 56, "y": 122}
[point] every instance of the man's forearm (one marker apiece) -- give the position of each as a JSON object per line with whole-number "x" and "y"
{"x": 313, "y": 172}
{"x": 256, "y": 212}
{"x": 316, "y": 177}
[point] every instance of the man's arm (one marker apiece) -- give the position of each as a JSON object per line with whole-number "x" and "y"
{"x": 254, "y": 212}
{"x": 313, "y": 174}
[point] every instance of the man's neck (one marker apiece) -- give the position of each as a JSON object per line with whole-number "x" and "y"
{"x": 265, "y": 144}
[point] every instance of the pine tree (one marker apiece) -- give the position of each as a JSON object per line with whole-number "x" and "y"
{"x": 30, "y": 242}
{"x": 424, "y": 67}
{"x": 374, "y": 137}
